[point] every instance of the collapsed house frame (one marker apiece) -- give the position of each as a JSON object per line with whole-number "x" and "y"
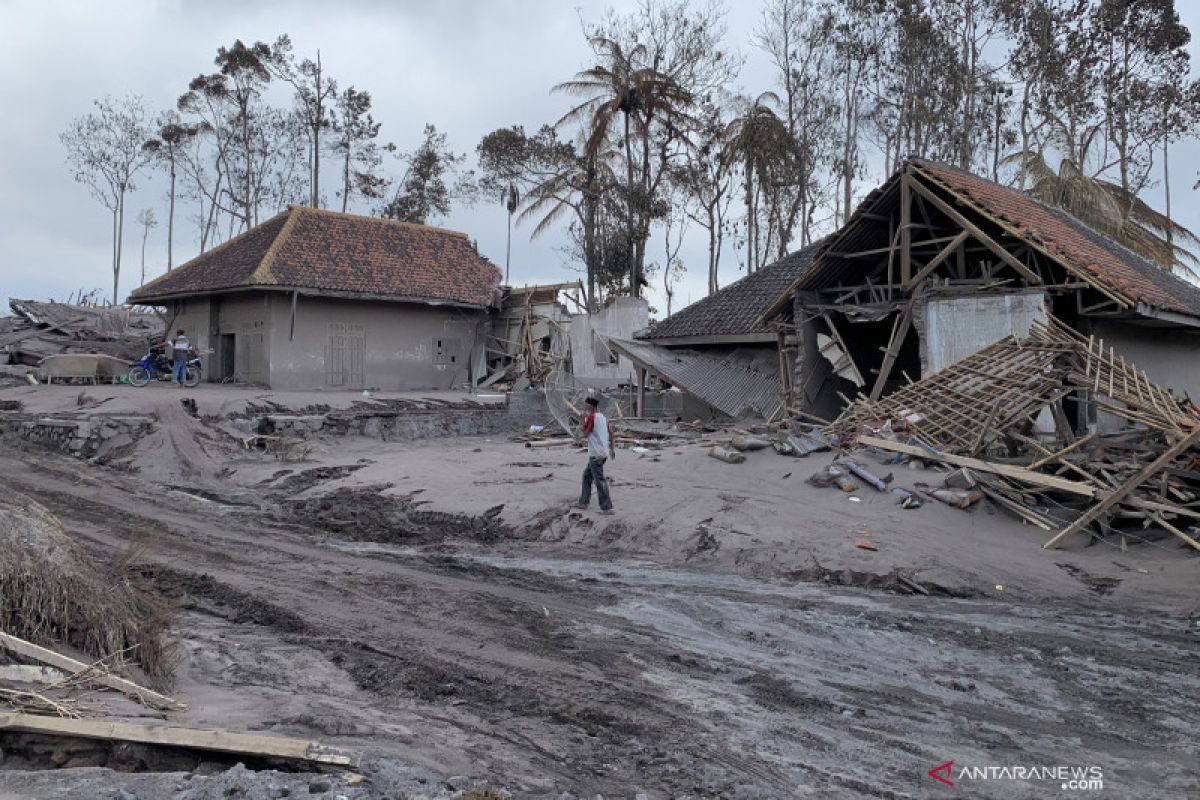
{"x": 938, "y": 263}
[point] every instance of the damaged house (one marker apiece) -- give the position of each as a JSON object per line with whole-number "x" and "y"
{"x": 724, "y": 360}
{"x": 937, "y": 264}
{"x": 535, "y": 332}
{"x": 314, "y": 299}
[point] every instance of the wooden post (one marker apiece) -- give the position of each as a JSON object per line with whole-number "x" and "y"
{"x": 905, "y": 227}
{"x": 641, "y": 392}
{"x": 899, "y": 332}
{"x": 785, "y": 379}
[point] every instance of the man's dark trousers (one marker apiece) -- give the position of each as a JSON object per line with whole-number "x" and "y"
{"x": 594, "y": 472}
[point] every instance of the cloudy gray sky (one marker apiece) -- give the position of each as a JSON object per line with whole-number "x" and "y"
{"x": 468, "y": 66}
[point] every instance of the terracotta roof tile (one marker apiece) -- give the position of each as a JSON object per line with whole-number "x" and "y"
{"x": 733, "y": 311}
{"x": 1085, "y": 250}
{"x": 306, "y": 248}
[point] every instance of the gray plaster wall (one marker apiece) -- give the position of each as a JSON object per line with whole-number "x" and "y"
{"x": 192, "y": 316}
{"x": 956, "y": 327}
{"x": 621, "y": 318}
{"x": 246, "y": 316}
{"x": 399, "y": 344}
{"x": 1170, "y": 356}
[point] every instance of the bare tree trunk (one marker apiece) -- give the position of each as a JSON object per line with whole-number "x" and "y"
{"x": 170, "y": 218}
{"x": 116, "y": 263}
{"x": 712, "y": 251}
{"x": 634, "y": 277}
{"x": 145, "y": 235}
{"x": 120, "y": 236}
{"x": 346, "y": 177}
{"x": 1167, "y": 193}
{"x": 316, "y": 154}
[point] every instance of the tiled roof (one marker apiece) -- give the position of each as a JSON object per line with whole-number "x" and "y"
{"x": 732, "y": 311}
{"x": 1080, "y": 247}
{"x": 343, "y": 254}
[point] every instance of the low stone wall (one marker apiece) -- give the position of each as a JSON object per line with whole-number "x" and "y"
{"x": 522, "y": 410}
{"x": 88, "y": 436}
{"x": 79, "y": 436}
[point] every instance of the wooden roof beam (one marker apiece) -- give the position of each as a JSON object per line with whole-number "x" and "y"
{"x": 945, "y": 253}
{"x": 975, "y": 231}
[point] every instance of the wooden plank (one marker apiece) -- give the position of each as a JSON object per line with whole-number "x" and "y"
{"x": 942, "y": 255}
{"x": 1118, "y": 494}
{"x": 976, "y": 232}
{"x": 1159, "y": 519}
{"x": 194, "y": 738}
{"x": 53, "y": 659}
{"x": 1075, "y": 445}
{"x": 1006, "y": 470}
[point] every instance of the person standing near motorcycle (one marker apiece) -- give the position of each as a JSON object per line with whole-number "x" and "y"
{"x": 181, "y": 350}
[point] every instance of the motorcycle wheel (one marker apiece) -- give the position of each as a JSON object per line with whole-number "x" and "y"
{"x": 139, "y": 376}
{"x": 191, "y": 377}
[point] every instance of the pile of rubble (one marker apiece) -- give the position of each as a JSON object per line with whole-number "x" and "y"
{"x": 1002, "y": 419}
{"x": 37, "y": 330}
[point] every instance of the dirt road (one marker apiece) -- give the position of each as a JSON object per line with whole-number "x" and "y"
{"x": 546, "y": 675}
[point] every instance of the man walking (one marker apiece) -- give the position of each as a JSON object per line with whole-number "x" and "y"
{"x": 181, "y": 349}
{"x": 600, "y": 448}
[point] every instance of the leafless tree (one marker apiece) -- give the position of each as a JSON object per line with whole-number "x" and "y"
{"x": 147, "y": 220}
{"x": 105, "y": 151}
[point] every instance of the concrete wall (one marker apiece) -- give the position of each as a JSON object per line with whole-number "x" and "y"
{"x": 247, "y": 318}
{"x": 192, "y": 316}
{"x": 353, "y": 344}
{"x": 1170, "y": 356}
{"x": 243, "y": 316}
{"x": 621, "y": 318}
{"x": 956, "y": 327}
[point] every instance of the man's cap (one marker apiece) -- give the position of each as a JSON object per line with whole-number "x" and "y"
{"x": 593, "y": 402}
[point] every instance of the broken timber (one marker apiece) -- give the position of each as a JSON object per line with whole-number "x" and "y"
{"x": 1118, "y": 494}
{"x": 1005, "y": 470}
{"x": 70, "y": 665}
{"x": 250, "y": 744}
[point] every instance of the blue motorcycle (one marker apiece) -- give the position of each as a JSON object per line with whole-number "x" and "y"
{"x": 153, "y": 367}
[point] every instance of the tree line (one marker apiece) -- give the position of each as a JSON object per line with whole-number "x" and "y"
{"x": 1076, "y": 101}
{"x": 233, "y": 159}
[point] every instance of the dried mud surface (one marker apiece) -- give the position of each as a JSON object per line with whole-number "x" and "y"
{"x": 452, "y": 662}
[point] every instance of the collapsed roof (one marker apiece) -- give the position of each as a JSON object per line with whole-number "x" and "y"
{"x": 1131, "y": 281}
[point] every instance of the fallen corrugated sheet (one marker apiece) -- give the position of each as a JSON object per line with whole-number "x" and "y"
{"x": 724, "y": 383}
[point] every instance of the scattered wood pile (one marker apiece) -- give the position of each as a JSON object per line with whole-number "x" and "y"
{"x": 37, "y": 330}
{"x": 1010, "y": 413}
{"x": 530, "y": 337}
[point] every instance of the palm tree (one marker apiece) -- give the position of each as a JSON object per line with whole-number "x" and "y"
{"x": 757, "y": 139}
{"x": 624, "y": 85}
{"x": 577, "y": 188}
{"x": 1108, "y": 208}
